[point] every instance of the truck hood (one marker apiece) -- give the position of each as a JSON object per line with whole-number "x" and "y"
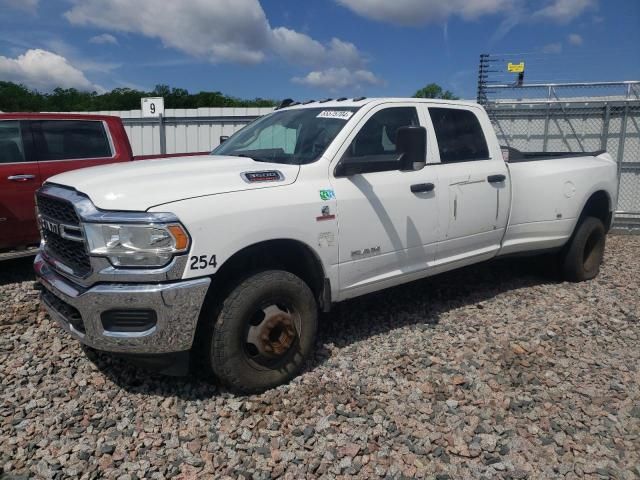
{"x": 142, "y": 184}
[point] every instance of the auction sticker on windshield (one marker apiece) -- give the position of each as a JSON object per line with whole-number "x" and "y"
{"x": 339, "y": 114}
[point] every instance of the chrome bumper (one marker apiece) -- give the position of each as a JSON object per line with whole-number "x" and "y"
{"x": 177, "y": 307}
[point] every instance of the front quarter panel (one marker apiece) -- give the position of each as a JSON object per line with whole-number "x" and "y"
{"x": 222, "y": 225}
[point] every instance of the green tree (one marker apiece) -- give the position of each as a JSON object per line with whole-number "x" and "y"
{"x": 15, "y": 98}
{"x": 433, "y": 90}
{"x": 162, "y": 90}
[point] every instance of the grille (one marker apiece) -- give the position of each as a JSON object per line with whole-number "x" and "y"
{"x": 71, "y": 253}
{"x": 70, "y": 314}
{"x": 59, "y": 210}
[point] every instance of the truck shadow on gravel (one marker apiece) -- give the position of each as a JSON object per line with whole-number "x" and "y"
{"x": 422, "y": 302}
{"x": 419, "y": 303}
{"x": 18, "y": 270}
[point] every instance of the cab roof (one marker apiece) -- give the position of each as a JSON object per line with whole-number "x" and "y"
{"x": 361, "y": 101}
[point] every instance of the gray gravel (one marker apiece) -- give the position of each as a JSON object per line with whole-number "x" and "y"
{"x": 495, "y": 371}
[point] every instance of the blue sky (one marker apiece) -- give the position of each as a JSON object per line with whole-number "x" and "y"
{"x": 311, "y": 49}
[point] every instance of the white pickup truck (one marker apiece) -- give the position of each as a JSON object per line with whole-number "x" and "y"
{"x": 222, "y": 262}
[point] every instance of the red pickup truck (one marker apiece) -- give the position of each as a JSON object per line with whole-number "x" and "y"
{"x": 36, "y": 146}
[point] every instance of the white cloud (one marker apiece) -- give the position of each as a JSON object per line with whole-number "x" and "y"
{"x": 295, "y": 46}
{"x": 419, "y": 12}
{"x": 575, "y": 39}
{"x": 299, "y": 48}
{"x": 563, "y": 11}
{"x": 552, "y": 48}
{"x": 339, "y": 78}
{"x": 104, "y": 39}
{"x": 43, "y": 70}
{"x": 344, "y": 53}
{"x": 222, "y": 30}
{"x": 30, "y": 6}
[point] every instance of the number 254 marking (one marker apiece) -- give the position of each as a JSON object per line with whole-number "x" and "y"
{"x": 202, "y": 262}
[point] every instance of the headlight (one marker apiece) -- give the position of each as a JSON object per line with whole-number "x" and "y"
{"x": 135, "y": 245}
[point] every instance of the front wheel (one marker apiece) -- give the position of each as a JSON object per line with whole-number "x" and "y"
{"x": 263, "y": 333}
{"x": 583, "y": 255}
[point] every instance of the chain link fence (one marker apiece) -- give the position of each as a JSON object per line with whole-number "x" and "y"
{"x": 576, "y": 117}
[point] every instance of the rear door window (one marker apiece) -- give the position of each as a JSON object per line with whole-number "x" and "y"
{"x": 70, "y": 140}
{"x": 459, "y": 134}
{"x": 11, "y": 146}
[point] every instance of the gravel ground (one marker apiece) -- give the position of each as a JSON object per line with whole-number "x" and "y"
{"x": 494, "y": 371}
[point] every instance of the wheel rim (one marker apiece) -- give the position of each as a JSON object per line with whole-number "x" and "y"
{"x": 592, "y": 254}
{"x": 272, "y": 333}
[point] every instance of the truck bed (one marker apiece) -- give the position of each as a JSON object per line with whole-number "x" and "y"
{"x": 547, "y": 197}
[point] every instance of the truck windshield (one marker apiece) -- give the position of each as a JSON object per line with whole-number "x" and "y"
{"x": 295, "y": 137}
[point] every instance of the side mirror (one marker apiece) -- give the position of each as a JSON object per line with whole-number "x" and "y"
{"x": 411, "y": 144}
{"x": 223, "y": 138}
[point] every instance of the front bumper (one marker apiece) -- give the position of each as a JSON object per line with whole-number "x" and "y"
{"x": 176, "y": 305}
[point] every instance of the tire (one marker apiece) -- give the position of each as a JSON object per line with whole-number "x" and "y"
{"x": 583, "y": 255}
{"x": 262, "y": 333}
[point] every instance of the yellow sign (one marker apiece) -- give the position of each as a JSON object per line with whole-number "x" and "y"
{"x": 515, "y": 67}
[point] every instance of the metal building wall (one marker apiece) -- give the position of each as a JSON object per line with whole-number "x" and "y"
{"x": 186, "y": 130}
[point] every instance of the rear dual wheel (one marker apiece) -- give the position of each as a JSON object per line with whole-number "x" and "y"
{"x": 583, "y": 255}
{"x": 263, "y": 332}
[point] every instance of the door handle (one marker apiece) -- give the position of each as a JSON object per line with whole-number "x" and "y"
{"x": 496, "y": 178}
{"x": 20, "y": 178}
{"x": 422, "y": 187}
